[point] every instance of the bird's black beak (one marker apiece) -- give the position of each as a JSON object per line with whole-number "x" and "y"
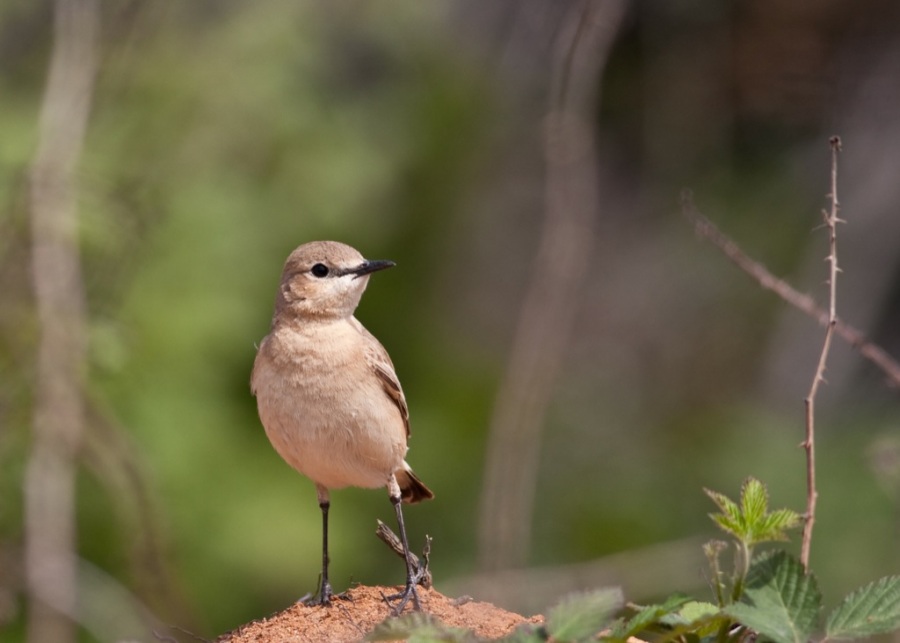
{"x": 367, "y": 267}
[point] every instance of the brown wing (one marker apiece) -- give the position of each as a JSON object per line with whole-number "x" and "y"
{"x": 259, "y": 352}
{"x": 380, "y": 362}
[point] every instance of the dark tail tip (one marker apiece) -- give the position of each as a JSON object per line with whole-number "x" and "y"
{"x": 412, "y": 489}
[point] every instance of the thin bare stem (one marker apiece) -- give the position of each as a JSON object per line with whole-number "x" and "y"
{"x": 827, "y": 318}
{"x": 809, "y": 444}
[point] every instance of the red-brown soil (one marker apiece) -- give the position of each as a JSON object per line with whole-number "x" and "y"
{"x": 353, "y": 617}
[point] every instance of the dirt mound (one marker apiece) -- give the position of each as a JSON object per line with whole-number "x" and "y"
{"x": 361, "y": 609}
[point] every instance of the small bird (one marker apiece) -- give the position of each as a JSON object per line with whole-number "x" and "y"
{"x": 327, "y": 393}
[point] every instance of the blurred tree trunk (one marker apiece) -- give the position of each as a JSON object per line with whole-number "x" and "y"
{"x": 50, "y": 527}
{"x": 558, "y": 272}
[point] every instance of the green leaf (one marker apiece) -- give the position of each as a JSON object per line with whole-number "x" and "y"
{"x": 780, "y": 600}
{"x": 646, "y": 616}
{"x": 754, "y": 502}
{"x": 776, "y": 523}
{"x": 418, "y": 627}
{"x": 730, "y": 519}
{"x": 696, "y": 610}
{"x": 526, "y": 634}
{"x": 704, "y": 628}
{"x": 401, "y": 627}
{"x": 580, "y": 617}
{"x": 695, "y": 617}
{"x": 751, "y": 523}
{"x": 873, "y": 609}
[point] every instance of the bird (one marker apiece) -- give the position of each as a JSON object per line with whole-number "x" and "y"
{"x": 328, "y": 396}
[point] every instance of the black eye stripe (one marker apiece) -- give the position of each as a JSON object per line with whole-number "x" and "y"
{"x": 319, "y": 270}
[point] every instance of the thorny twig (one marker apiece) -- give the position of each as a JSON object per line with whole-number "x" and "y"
{"x": 809, "y": 444}
{"x": 827, "y": 318}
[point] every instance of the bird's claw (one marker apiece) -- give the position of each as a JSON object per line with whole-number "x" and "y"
{"x": 321, "y": 598}
{"x": 403, "y": 598}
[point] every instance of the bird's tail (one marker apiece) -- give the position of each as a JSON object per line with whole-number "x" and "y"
{"x": 411, "y": 488}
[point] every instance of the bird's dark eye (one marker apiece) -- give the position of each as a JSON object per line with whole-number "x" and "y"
{"x": 320, "y": 270}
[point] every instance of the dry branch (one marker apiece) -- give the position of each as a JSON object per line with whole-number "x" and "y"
{"x": 801, "y": 301}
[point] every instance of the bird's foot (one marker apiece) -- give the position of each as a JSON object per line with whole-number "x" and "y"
{"x": 403, "y": 598}
{"x": 323, "y": 597}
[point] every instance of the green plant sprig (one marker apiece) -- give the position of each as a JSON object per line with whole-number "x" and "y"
{"x": 750, "y": 524}
{"x": 772, "y": 597}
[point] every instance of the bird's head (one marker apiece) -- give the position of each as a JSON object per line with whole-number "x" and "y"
{"x": 324, "y": 280}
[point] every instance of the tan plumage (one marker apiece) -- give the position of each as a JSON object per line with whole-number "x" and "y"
{"x": 326, "y": 390}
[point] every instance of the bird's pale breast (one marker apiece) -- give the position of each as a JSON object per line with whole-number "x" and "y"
{"x": 324, "y": 409}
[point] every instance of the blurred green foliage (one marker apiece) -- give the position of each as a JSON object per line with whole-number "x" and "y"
{"x": 225, "y": 134}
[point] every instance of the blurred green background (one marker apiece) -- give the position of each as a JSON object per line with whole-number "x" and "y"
{"x": 224, "y": 134}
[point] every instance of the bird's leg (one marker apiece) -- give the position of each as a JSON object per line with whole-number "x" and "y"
{"x": 325, "y": 593}
{"x": 412, "y": 578}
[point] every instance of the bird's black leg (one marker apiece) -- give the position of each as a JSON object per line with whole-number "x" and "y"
{"x": 412, "y": 579}
{"x": 325, "y": 589}
{"x": 325, "y": 593}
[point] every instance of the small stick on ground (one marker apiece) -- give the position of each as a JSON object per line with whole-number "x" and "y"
{"x": 809, "y": 444}
{"x": 391, "y": 540}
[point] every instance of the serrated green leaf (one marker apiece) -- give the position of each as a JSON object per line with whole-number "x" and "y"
{"x": 726, "y": 524}
{"x": 701, "y": 618}
{"x": 706, "y": 627}
{"x": 870, "y": 610}
{"x": 693, "y": 621}
{"x": 729, "y": 508}
{"x": 395, "y": 629}
{"x": 418, "y": 627}
{"x": 780, "y": 600}
{"x": 646, "y": 616}
{"x": 730, "y": 520}
{"x": 696, "y": 610}
{"x": 751, "y": 523}
{"x": 526, "y": 634}
{"x": 754, "y": 502}
{"x": 776, "y": 523}
{"x": 443, "y": 635}
{"x": 580, "y": 617}
{"x": 694, "y": 617}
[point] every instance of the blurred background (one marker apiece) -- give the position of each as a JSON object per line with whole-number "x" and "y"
{"x": 578, "y": 364}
